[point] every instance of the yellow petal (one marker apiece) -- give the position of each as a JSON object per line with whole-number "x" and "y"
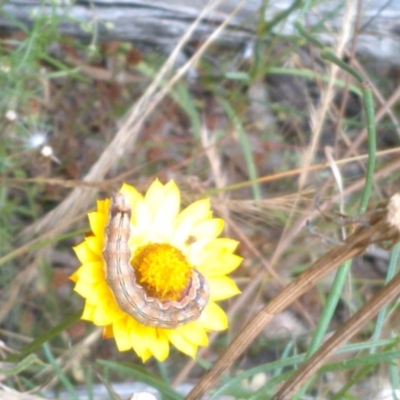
{"x": 83, "y": 288}
{"x": 194, "y": 333}
{"x": 152, "y": 342}
{"x": 154, "y": 197}
{"x": 224, "y": 245}
{"x": 102, "y": 316}
{"x": 138, "y": 238}
{"x": 112, "y": 309}
{"x": 195, "y": 212}
{"x": 91, "y": 272}
{"x": 213, "y": 318}
{"x": 181, "y": 233}
{"x": 74, "y": 277}
{"x": 149, "y": 334}
{"x": 137, "y": 339}
{"x": 222, "y": 288}
{"x": 196, "y": 253}
{"x": 88, "y": 312}
{"x": 132, "y": 194}
{"x": 143, "y": 217}
{"x": 84, "y": 253}
{"x": 97, "y": 222}
{"x": 145, "y": 354}
{"x": 122, "y": 335}
{"x": 215, "y": 265}
{"x": 160, "y": 345}
{"x": 180, "y": 342}
{"x": 103, "y": 206}
{"x": 208, "y": 229}
{"x": 94, "y": 293}
{"x": 164, "y": 218}
{"x": 95, "y": 244}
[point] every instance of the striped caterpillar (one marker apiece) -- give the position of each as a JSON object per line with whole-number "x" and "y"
{"x": 129, "y": 294}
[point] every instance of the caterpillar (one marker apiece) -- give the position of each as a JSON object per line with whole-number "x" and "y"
{"x": 129, "y": 294}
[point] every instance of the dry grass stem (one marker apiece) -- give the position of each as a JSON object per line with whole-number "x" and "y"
{"x": 10, "y": 394}
{"x": 208, "y": 141}
{"x": 317, "y": 116}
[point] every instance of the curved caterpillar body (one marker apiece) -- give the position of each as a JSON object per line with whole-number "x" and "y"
{"x": 129, "y": 294}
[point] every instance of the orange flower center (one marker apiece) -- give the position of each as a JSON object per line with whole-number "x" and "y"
{"x": 162, "y": 270}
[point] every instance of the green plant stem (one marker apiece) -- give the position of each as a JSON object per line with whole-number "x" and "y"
{"x": 329, "y": 55}
{"x": 281, "y": 17}
{"x": 307, "y": 36}
{"x": 394, "y": 259}
{"x": 370, "y": 121}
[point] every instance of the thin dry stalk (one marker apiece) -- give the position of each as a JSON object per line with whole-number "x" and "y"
{"x": 318, "y": 115}
{"x": 351, "y": 54}
{"x": 264, "y": 209}
{"x": 220, "y": 177}
{"x": 11, "y": 394}
{"x": 382, "y": 227}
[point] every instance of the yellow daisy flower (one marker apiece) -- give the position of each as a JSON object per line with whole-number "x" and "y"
{"x": 151, "y": 275}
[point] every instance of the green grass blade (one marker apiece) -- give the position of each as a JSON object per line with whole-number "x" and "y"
{"x": 58, "y": 371}
{"x": 24, "y": 364}
{"x": 245, "y": 146}
{"x": 35, "y": 344}
{"x": 141, "y": 374}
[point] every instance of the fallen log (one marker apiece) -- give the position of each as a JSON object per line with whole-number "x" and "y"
{"x": 160, "y": 23}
